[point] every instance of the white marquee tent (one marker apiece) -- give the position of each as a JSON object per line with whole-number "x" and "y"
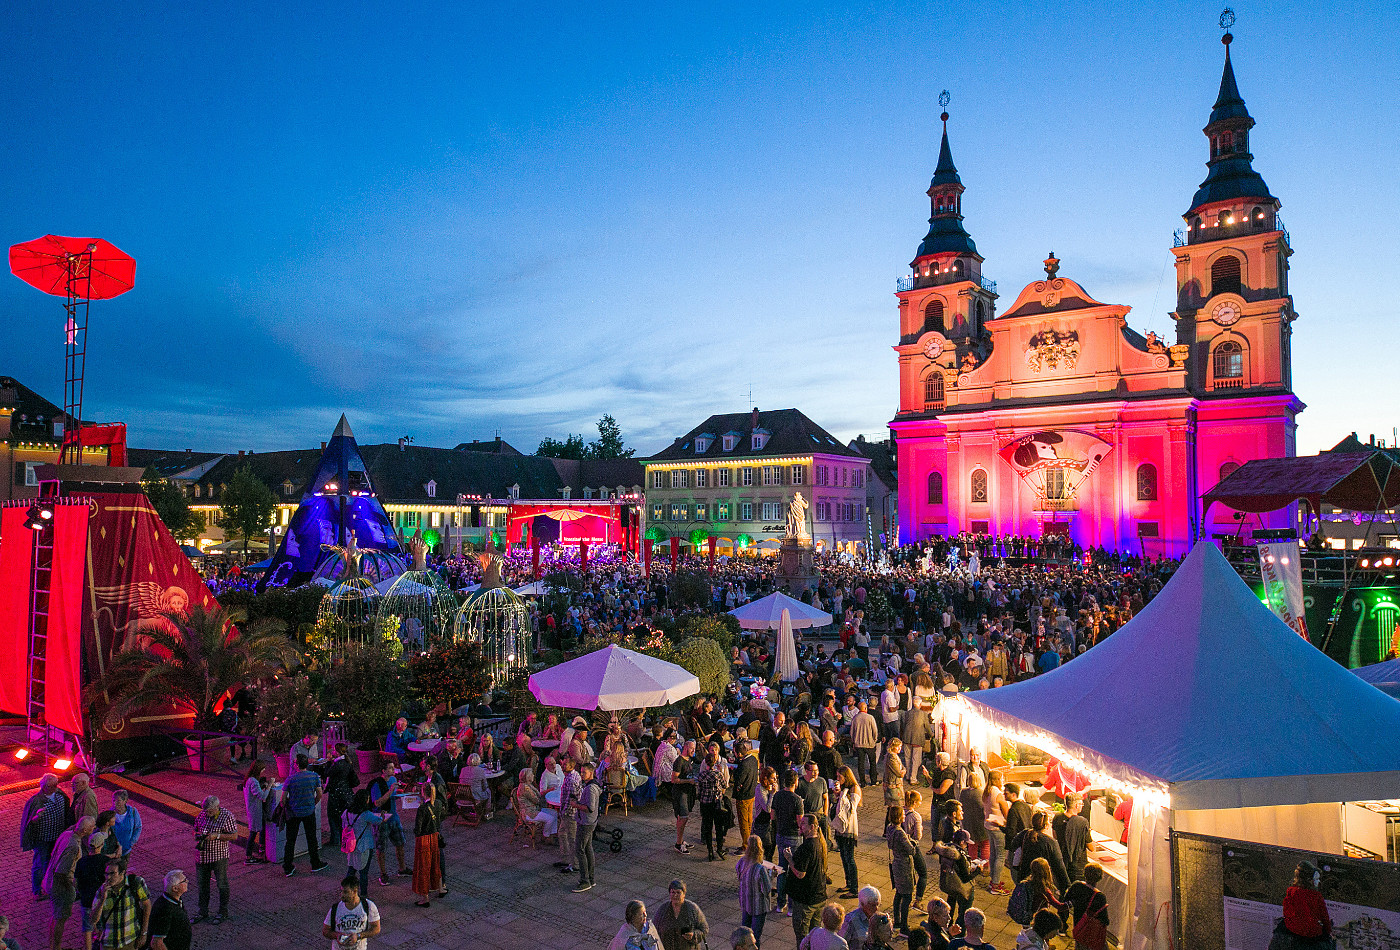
{"x": 1210, "y": 711}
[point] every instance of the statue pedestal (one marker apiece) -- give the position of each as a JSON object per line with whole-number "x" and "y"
{"x": 795, "y": 567}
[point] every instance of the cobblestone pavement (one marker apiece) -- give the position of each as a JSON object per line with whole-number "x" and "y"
{"x": 502, "y": 895}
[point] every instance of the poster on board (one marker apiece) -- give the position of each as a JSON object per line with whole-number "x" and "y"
{"x": 1362, "y": 898}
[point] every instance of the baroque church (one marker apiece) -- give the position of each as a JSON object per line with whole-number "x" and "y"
{"x": 1056, "y": 417}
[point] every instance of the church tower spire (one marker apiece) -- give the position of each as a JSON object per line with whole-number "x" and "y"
{"x": 945, "y": 302}
{"x": 1233, "y": 306}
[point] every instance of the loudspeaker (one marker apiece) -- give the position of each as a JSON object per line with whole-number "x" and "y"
{"x": 476, "y": 516}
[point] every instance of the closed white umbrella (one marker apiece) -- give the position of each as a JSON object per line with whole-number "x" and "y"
{"x": 785, "y": 667}
{"x": 613, "y": 678}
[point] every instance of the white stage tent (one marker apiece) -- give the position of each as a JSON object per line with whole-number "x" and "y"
{"x": 1204, "y": 701}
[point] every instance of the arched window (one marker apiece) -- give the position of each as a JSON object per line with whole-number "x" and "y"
{"x": 1257, "y": 216}
{"x": 1228, "y": 360}
{"x": 196, "y": 489}
{"x": 933, "y": 315}
{"x": 1227, "y": 468}
{"x": 1147, "y": 482}
{"x": 935, "y": 488}
{"x": 1225, "y": 275}
{"x": 933, "y": 390}
{"x": 981, "y": 312}
{"x": 977, "y": 487}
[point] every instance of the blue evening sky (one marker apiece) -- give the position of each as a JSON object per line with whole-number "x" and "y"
{"x": 448, "y": 220}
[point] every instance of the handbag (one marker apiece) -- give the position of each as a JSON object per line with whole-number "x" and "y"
{"x": 953, "y": 885}
{"x": 1090, "y": 931}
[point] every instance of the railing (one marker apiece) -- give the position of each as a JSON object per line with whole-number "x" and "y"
{"x": 1236, "y": 382}
{"x": 911, "y": 282}
{"x": 1183, "y": 236}
{"x": 203, "y": 737}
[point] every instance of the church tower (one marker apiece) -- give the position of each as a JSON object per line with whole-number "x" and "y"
{"x": 945, "y": 302}
{"x": 1233, "y": 306}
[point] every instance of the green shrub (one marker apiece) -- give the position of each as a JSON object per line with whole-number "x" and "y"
{"x": 451, "y": 675}
{"x": 703, "y": 657}
{"x": 367, "y": 687}
{"x": 710, "y": 626}
{"x": 288, "y": 710}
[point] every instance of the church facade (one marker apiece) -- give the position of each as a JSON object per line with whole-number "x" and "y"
{"x": 1055, "y": 417}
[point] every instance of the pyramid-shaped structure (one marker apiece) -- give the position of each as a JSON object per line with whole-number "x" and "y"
{"x": 1209, "y": 698}
{"x": 339, "y": 499}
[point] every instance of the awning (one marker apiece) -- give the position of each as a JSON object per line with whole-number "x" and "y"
{"x": 1353, "y": 481}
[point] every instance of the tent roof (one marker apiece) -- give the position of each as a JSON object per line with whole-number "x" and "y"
{"x": 1208, "y": 696}
{"x": 1354, "y": 481}
{"x": 1386, "y": 671}
{"x": 613, "y": 678}
{"x": 766, "y": 612}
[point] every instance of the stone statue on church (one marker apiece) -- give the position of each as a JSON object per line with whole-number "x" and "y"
{"x": 797, "y": 518}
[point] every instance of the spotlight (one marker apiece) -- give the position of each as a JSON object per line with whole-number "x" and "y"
{"x": 22, "y": 754}
{"x": 38, "y": 517}
{"x": 62, "y": 765}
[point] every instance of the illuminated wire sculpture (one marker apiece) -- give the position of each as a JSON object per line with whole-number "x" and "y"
{"x": 496, "y": 617}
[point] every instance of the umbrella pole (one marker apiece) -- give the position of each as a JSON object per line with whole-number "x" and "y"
{"x": 78, "y": 285}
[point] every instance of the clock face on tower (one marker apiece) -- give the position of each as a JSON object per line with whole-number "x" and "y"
{"x": 1225, "y": 313}
{"x": 933, "y": 346}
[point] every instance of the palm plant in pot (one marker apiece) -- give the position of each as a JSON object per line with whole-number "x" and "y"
{"x": 287, "y": 712}
{"x": 189, "y": 664}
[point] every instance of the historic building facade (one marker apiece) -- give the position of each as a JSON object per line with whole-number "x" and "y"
{"x": 733, "y": 476}
{"x": 1055, "y": 417}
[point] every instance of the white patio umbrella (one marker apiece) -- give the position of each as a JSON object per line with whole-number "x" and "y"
{"x": 766, "y": 612}
{"x": 532, "y": 589}
{"x": 613, "y": 678}
{"x": 785, "y": 664}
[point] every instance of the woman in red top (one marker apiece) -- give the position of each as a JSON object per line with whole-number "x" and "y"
{"x": 1304, "y": 910}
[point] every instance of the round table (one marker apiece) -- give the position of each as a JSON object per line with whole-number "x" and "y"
{"x": 425, "y": 745}
{"x": 544, "y": 743}
{"x": 551, "y": 798}
{"x": 493, "y": 774}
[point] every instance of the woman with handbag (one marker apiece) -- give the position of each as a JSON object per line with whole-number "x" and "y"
{"x": 901, "y": 866}
{"x": 427, "y": 848}
{"x": 846, "y": 827}
{"x": 755, "y": 888}
{"x": 956, "y": 873}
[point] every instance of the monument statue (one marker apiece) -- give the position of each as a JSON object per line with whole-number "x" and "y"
{"x": 797, "y": 518}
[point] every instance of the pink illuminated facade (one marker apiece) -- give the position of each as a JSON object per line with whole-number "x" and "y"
{"x": 1056, "y": 417}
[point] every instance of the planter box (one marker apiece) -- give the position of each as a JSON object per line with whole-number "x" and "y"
{"x": 284, "y": 766}
{"x": 216, "y": 753}
{"x": 367, "y": 764}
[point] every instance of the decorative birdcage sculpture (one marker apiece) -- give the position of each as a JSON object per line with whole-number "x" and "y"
{"x": 421, "y": 601}
{"x": 349, "y": 609}
{"x": 373, "y": 563}
{"x": 496, "y": 617}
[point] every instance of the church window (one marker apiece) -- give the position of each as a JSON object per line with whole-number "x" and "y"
{"x": 1147, "y": 482}
{"x": 958, "y": 267}
{"x": 1055, "y": 485}
{"x": 935, "y": 488}
{"x": 977, "y": 493}
{"x": 933, "y": 315}
{"x": 1257, "y": 216}
{"x": 981, "y": 312}
{"x": 1227, "y": 469}
{"x": 1228, "y": 360}
{"x": 933, "y": 389}
{"x": 1225, "y": 275}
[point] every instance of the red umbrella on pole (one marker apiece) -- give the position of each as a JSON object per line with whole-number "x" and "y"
{"x": 85, "y": 268}
{"x": 80, "y": 270}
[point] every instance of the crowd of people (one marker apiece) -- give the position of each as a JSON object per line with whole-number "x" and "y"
{"x": 786, "y": 770}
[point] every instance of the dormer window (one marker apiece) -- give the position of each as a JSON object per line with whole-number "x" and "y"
{"x": 513, "y": 492}
{"x": 703, "y": 443}
{"x": 567, "y": 492}
{"x": 587, "y": 493}
{"x": 287, "y": 488}
{"x": 759, "y": 439}
{"x": 430, "y": 487}
{"x": 731, "y": 439}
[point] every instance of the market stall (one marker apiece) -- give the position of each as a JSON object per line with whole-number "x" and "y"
{"x": 1213, "y": 717}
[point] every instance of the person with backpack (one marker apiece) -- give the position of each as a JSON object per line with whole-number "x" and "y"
{"x": 359, "y": 828}
{"x": 1090, "y": 909}
{"x": 341, "y": 780}
{"x": 381, "y": 795}
{"x": 122, "y": 910}
{"x": 1036, "y": 842}
{"x": 352, "y": 920}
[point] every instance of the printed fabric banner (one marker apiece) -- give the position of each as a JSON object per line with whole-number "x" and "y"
{"x": 1281, "y": 569}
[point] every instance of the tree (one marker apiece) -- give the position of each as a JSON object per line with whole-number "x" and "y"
{"x": 366, "y": 687}
{"x": 704, "y": 658}
{"x": 191, "y": 660}
{"x": 609, "y": 444}
{"x": 571, "y": 448}
{"x": 453, "y": 674}
{"x": 169, "y": 502}
{"x": 247, "y": 505}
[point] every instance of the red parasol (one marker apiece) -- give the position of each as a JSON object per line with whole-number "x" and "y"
{"x": 86, "y": 268}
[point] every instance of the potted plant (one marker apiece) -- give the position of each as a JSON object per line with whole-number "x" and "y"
{"x": 191, "y": 662}
{"x": 287, "y": 711}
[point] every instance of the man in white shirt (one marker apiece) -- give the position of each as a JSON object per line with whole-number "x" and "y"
{"x": 352, "y": 921}
{"x": 889, "y": 711}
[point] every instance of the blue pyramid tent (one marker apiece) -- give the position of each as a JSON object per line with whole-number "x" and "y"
{"x": 339, "y": 499}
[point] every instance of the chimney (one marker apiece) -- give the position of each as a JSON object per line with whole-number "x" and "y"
{"x": 323, "y": 446}
{"x": 755, "y": 418}
{"x": 400, "y": 445}
{"x": 240, "y": 453}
